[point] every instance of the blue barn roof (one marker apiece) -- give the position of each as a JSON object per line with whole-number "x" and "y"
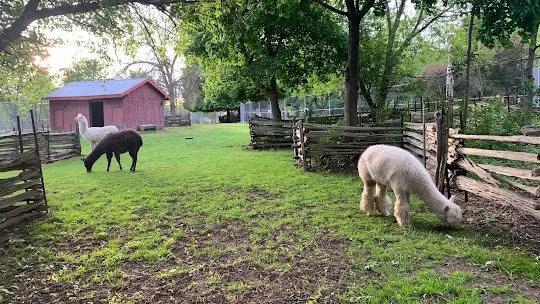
{"x": 80, "y": 90}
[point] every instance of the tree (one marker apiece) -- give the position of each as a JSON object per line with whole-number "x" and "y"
{"x": 156, "y": 33}
{"x": 355, "y": 12}
{"x": 501, "y": 19}
{"x": 17, "y": 15}
{"x": 85, "y": 69}
{"x": 191, "y": 85}
{"x": 384, "y": 45}
{"x": 268, "y": 47}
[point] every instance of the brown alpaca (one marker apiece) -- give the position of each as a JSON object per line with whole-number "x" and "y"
{"x": 115, "y": 143}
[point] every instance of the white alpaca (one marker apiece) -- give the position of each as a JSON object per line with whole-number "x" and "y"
{"x": 381, "y": 166}
{"x": 93, "y": 134}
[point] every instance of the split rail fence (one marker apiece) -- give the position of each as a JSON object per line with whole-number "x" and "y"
{"x": 22, "y": 191}
{"x": 52, "y": 146}
{"x": 265, "y": 133}
{"x": 315, "y": 139}
{"x": 180, "y": 120}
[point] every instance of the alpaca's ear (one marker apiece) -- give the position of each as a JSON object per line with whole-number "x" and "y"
{"x": 452, "y": 198}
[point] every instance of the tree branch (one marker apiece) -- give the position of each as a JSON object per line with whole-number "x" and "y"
{"x": 330, "y": 8}
{"x": 368, "y": 4}
{"x": 31, "y": 14}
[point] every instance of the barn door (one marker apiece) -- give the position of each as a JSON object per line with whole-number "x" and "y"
{"x": 96, "y": 114}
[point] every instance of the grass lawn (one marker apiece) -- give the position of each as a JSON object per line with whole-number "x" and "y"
{"x": 207, "y": 220}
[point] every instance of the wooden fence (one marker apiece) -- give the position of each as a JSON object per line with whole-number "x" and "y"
{"x": 22, "y": 191}
{"x": 268, "y": 134}
{"x": 180, "y": 120}
{"x": 52, "y": 146}
{"x": 316, "y": 139}
{"x": 502, "y": 183}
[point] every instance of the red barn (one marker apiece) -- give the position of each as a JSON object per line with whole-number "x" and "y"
{"x": 125, "y": 103}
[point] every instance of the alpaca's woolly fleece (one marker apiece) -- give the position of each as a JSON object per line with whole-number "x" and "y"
{"x": 93, "y": 134}
{"x": 382, "y": 166}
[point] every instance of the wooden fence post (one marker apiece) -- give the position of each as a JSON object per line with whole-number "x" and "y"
{"x": 39, "y": 159}
{"x": 302, "y": 144}
{"x": 442, "y": 149}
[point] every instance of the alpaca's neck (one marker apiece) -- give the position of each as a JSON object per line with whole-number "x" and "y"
{"x": 434, "y": 199}
{"x": 94, "y": 156}
{"x": 83, "y": 125}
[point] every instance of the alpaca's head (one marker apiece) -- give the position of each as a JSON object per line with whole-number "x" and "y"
{"x": 452, "y": 214}
{"x": 79, "y": 118}
{"x": 87, "y": 164}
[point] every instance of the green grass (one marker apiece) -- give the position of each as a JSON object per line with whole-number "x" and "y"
{"x": 205, "y": 214}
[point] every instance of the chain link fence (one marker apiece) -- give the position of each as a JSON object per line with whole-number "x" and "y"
{"x": 9, "y": 112}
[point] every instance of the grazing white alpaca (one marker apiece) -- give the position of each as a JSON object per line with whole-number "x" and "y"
{"x": 93, "y": 134}
{"x": 381, "y": 166}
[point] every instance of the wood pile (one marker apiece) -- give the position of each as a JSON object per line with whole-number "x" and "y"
{"x": 267, "y": 134}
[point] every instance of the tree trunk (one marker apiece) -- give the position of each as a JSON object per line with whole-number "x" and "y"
{"x": 228, "y": 115}
{"x": 350, "y": 102}
{"x": 468, "y": 72}
{"x": 529, "y": 73}
{"x": 274, "y": 100}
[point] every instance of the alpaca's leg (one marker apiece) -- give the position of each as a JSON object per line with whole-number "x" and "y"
{"x": 402, "y": 207}
{"x": 117, "y": 156}
{"x": 133, "y": 155}
{"x": 109, "y": 158}
{"x": 383, "y": 202}
{"x": 368, "y": 197}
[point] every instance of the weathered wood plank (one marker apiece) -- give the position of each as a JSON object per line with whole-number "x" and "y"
{"x": 532, "y": 190}
{"x": 20, "y": 159}
{"x": 23, "y": 209}
{"x": 313, "y": 134}
{"x": 522, "y": 156}
{"x": 29, "y": 195}
{"x": 521, "y": 173}
{"x": 530, "y": 130}
{"x": 25, "y": 175}
{"x": 417, "y": 136}
{"x": 319, "y": 127}
{"x": 499, "y": 195}
{"x": 19, "y": 219}
{"x": 470, "y": 166}
{"x": 507, "y": 139}
{"x": 8, "y": 189}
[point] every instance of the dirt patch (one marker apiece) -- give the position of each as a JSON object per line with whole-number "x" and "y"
{"x": 228, "y": 272}
{"x": 210, "y": 264}
{"x": 487, "y": 277}
{"x": 505, "y": 225}
{"x": 258, "y": 193}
